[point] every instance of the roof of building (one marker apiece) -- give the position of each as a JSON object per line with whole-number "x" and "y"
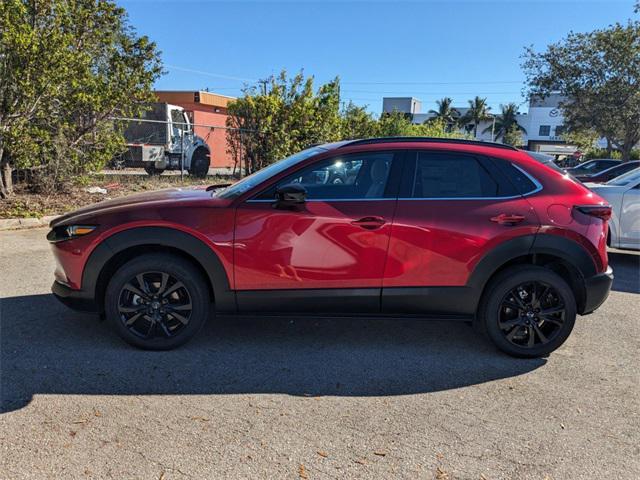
{"x": 191, "y": 96}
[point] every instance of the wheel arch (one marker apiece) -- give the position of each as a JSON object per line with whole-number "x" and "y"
{"x": 117, "y": 249}
{"x": 565, "y": 257}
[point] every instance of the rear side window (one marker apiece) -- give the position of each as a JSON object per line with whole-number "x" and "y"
{"x": 452, "y": 175}
{"x": 516, "y": 177}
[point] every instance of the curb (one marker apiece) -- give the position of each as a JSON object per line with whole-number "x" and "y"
{"x": 23, "y": 223}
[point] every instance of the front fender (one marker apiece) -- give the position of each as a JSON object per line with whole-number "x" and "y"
{"x": 93, "y": 277}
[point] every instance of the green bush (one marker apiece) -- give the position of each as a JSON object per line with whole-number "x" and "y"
{"x": 602, "y": 153}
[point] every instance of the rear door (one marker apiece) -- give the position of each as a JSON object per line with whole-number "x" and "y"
{"x": 327, "y": 255}
{"x": 453, "y": 207}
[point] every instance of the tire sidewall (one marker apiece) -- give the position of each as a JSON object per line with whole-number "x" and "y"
{"x": 510, "y": 279}
{"x": 179, "y": 269}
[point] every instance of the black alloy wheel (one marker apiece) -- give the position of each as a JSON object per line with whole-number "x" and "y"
{"x": 527, "y": 311}
{"x": 531, "y": 314}
{"x": 154, "y": 304}
{"x": 157, "y": 301}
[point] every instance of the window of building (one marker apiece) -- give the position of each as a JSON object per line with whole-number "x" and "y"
{"x": 451, "y": 176}
{"x": 544, "y": 131}
{"x": 560, "y": 129}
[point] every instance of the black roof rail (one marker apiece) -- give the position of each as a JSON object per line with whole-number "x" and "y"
{"x": 368, "y": 141}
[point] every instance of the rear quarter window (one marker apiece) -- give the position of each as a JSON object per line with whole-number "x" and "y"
{"x": 521, "y": 182}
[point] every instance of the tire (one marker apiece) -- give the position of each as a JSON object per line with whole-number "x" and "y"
{"x": 169, "y": 319}
{"x": 200, "y": 163}
{"x": 152, "y": 170}
{"x": 517, "y": 304}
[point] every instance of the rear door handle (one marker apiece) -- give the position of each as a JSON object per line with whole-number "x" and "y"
{"x": 369, "y": 223}
{"x": 507, "y": 219}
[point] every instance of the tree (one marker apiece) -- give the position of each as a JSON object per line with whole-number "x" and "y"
{"x": 598, "y": 73}
{"x": 280, "y": 118}
{"x": 506, "y": 121}
{"x": 67, "y": 67}
{"x": 478, "y": 112}
{"x": 513, "y": 136}
{"x": 357, "y": 122}
{"x": 395, "y": 124}
{"x": 585, "y": 139}
{"x": 445, "y": 111}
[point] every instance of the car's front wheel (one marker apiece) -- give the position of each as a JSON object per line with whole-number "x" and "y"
{"x": 528, "y": 311}
{"x": 157, "y": 301}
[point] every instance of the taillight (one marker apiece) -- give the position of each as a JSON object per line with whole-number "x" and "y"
{"x": 602, "y": 212}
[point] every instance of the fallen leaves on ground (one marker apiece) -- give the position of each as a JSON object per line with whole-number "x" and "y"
{"x": 441, "y": 474}
{"x": 201, "y": 419}
{"x": 302, "y": 472}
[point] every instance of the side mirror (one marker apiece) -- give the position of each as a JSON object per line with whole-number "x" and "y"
{"x": 290, "y": 195}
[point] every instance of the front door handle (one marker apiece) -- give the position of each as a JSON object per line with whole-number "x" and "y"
{"x": 369, "y": 223}
{"x": 507, "y": 219}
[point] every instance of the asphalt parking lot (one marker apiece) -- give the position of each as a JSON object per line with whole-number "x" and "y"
{"x": 339, "y": 398}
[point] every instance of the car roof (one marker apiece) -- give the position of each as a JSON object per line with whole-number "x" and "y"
{"x": 383, "y": 140}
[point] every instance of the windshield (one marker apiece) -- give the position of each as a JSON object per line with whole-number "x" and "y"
{"x": 625, "y": 179}
{"x": 256, "y": 178}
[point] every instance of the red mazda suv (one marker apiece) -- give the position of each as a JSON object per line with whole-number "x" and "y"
{"x": 419, "y": 227}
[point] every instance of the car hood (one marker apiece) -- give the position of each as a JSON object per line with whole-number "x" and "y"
{"x": 168, "y": 196}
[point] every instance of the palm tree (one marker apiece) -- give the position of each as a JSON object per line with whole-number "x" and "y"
{"x": 505, "y": 121}
{"x": 445, "y": 111}
{"x": 478, "y": 112}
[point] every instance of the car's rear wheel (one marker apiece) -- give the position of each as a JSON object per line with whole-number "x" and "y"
{"x": 528, "y": 311}
{"x": 157, "y": 301}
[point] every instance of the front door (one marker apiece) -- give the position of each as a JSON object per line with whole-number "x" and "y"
{"x": 327, "y": 255}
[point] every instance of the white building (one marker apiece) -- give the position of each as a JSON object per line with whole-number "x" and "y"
{"x": 543, "y": 122}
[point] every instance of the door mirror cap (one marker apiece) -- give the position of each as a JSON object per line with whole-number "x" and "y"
{"x": 290, "y": 195}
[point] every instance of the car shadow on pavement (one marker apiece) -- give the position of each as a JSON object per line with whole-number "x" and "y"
{"x": 48, "y": 349}
{"x": 626, "y": 271}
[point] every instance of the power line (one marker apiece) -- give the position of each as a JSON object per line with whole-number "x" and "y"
{"x": 210, "y": 74}
{"x": 434, "y": 83}
{"x": 244, "y": 79}
{"x": 475, "y": 92}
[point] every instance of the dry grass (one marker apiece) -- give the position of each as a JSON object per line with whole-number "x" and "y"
{"x": 26, "y": 203}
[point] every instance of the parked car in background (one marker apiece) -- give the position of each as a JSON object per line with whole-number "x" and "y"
{"x": 609, "y": 173}
{"x": 623, "y": 194}
{"x": 593, "y": 166}
{"x": 430, "y": 228}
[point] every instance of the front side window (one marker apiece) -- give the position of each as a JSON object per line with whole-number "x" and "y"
{"x": 346, "y": 177}
{"x": 256, "y": 178}
{"x": 444, "y": 175}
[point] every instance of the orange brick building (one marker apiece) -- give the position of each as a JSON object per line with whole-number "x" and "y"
{"x": 208, "y": 109}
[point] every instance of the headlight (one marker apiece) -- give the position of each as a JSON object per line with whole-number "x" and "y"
{"x": 67, "y": 232}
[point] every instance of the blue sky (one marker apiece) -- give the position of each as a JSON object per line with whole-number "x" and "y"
{"x": 423, "y": 49}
